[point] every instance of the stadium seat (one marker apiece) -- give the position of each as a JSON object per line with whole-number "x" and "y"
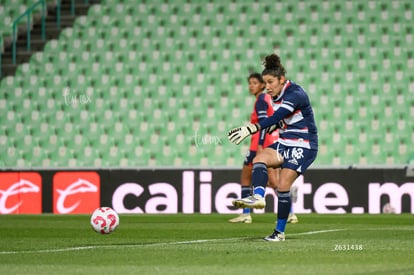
{"x": 153, "y": 70}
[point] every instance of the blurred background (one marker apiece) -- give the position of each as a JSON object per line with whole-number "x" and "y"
{"x": 158, "y": 83}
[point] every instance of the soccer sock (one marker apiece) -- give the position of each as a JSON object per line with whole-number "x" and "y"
{"x": 245, "y": 192}
{"x": 283, "y": 206}
{"x": 259, "y": 178}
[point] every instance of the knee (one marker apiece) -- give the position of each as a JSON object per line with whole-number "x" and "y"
{"x": 259, "y": 158}
{"x": 283, "y": 187}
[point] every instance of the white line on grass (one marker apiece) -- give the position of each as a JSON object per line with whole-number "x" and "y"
{"x": 315, "y": 232}
{"x": 91, "y": 247}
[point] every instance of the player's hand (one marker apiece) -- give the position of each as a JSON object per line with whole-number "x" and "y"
{"x": 237, "y": 135}
{"x": 274, "y": 127}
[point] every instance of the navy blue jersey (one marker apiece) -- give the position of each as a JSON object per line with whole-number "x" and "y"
{"x": 293, "y": 107}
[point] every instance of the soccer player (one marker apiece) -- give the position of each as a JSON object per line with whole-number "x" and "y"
{"x": 295, "y": 149}
{"x": 292, "y": 218}
{"x": 263, "y": 108}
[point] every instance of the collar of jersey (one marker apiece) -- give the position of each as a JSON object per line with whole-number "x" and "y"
{"x": 287, "y": 84}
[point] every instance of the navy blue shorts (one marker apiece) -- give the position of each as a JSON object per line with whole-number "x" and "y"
{"x": 295, "y": 158}
{"x": 248, "y": 159}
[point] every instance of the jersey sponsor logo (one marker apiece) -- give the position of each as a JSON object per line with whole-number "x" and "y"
{"x": 76, "y": 192}
{"x": 20, "y": 193}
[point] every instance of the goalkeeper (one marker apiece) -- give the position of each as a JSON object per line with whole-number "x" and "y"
{"x": 295, "y": 149}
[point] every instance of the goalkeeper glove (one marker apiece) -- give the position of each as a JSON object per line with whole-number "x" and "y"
{"x": 237, "y": 135}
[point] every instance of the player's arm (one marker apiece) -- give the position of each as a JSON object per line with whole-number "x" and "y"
{"x": 290, "y": 103}
{"x": 237, "y": 135}
{"x": 277, "y": 116}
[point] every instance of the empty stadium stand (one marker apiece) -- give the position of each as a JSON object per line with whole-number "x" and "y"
{"x": 159, "y": 83}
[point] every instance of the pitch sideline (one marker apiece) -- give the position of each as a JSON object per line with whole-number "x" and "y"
{"x": 68, "y": 249}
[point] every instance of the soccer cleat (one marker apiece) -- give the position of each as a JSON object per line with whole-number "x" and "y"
{"x": 254, "y": 201}
{"x": 276, "y": 236}
{"x": 292, "y": 218}
{"x": 242, "y": 218}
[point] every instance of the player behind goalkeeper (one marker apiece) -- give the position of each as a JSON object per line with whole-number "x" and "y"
{"x": 262, "y": 109}
{"x": 295, "y": 149}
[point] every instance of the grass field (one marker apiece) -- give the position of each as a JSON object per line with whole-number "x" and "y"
{"x": 207, "y": 244}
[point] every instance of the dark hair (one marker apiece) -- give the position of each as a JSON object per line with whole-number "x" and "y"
{"x": 273, "y": 66}
{"x": 257, "y": 76}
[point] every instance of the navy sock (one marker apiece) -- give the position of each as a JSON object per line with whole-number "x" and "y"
{"x": 259, "y": 178}
{"x": 245, "y": 192}
{"x": 283, "y": 206}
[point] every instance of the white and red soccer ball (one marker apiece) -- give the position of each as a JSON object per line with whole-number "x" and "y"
{"x": 104, "y": 220}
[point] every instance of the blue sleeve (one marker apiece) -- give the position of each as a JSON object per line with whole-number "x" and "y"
{"x": 290, "y": 103}
{"x": 280, "y": 114}
{"x": 262, "y": 137}
{"x": 261, "y": 111}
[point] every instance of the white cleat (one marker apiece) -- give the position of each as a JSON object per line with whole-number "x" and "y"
{"x": 275, "y": 237}
{"x": 254, "y": 201}
{"x": 242, "y": 218}
{"x": 292, "y": 218}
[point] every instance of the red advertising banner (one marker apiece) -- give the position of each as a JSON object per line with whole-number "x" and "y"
{"x": 76, "y": 192}
{"x": 20, "y": 193}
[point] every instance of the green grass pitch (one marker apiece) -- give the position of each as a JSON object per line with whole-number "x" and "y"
{"x": 207, "y": 244}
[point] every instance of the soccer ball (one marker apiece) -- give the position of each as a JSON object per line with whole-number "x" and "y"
{"x": 104, "y": 220}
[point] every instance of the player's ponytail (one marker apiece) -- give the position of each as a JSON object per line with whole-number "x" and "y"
{"x": 273, "y": 66}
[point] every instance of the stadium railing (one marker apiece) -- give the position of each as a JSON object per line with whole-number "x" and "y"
{"x": 73, "y": 4}
{"x": 58, "y": 7}
{"x": 1, "y": 52}
{"x": 27, "y": 14}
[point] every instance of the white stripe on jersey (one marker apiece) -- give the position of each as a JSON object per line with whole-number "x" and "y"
{"x": 296, "y": 117}
{"x": 286, "y": 106}
{"x": 295, "y": 142}
{"x": 305, "y": 130}
{"x": 262, "y": 134}
{"x": 262, "y": 114}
